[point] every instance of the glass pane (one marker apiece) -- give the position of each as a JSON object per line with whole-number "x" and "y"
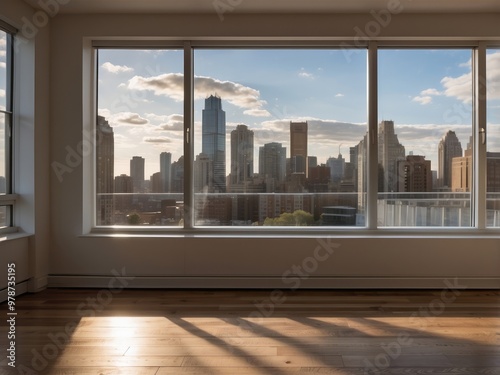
{"x": 3, "y": 71}
{"x": 493, "y": 139}
{"x": 4, "y": 121}
{"x": 279, "y": 137}
{"x": 5, "y": 212}
{"x": 424, "y": 136}
{"x": 139, "y": 138}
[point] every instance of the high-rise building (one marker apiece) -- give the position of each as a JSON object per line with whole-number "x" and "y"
{"x": 449, "y": 148}
{"x": 461, "y": 172}
{"x": 105, "y": 161}
{"x": 312, "y": 161}
{"x": 137, "y": 173}
{"x": 337, "y": 167}
{"x": 272, "y": 162}
{"x": 390, "y": 151}
{"x": 203, "y": 170}
{"x": 165, "y": 171}
{"x": 214, "y": 140}
{"x": 123, "y": 184}
{"x": 414, "y": 174}
{"x": 241, "y": 155}
{"x": 493, "y": 172}
{"x": 156, "y": 183}
{"x": 123, "y": 198}
{"x": 298, "y": 146}
{"x": 177, "y": 182}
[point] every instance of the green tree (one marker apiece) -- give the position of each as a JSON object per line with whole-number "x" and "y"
{"x": 134, "y": 219}
{"x": 298, "y": 218}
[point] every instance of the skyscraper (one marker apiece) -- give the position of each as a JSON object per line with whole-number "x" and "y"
{"x": 272, "y": 162}
{"x": 214, "y": 140}
{"x": 414, "y": 174}
{"x": 137, "y": 173}
{"x": 202, "y": 171}
{"x": 241, "y": 154}
{"x": 449, "y": 148}
{"x": 298, "y": 146}
{"x": 337, "y": 167}
{"x": 165, "y": 171}
{"x": 123, "y": 202}
{"x": 390, "y": 151}
{"x": 177, "y": 181}
{"x": 105, "y": 161}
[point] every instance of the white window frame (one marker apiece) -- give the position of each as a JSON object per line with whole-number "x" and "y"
{"x": 9, "y": 198}
{"x": 478, "y": 193}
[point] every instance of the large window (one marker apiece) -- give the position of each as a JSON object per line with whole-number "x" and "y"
{"x": 280, "y": 137}
{"x": 6, "y": 119}
{"x": 425, "y": 137}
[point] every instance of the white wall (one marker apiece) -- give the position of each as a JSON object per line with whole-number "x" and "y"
{"x": 175, "y": 260}
{"x": 31, "y": 151}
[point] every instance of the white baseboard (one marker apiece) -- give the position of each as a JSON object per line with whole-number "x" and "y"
{"x": 276, "y": 282}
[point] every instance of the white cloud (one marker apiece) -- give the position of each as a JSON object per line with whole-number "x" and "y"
{"x": 172, "y": 85}
{"x": 131, "y": 118}
{"x": 425, "y": 96}
{"x": 461, "y": 87}
{"x": 122, "y": 118}
{"x": 467, "y": 64}
{"x": 339, "y": 95}
{"x": 157, "y": 140}
{"x": 458, "y": 87}
{"x": 174, "y": 123}
{"x": 115, "y": 69}
{"x": 2, "y": 93}
{"x": 257, "y": 112}
{"x": 3, "y": 65}
{"x": 304, "y": 74}
{"x": 430, "y": 92}
{"x": 423, "y": 99}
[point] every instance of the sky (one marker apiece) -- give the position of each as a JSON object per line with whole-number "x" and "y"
{"x": 425, "y": 92}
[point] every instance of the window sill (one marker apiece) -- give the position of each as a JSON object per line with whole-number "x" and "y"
{"x": 292, "y": 232}
{"x": 12, "y": 233}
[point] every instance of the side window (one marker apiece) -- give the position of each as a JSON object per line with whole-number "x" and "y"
{"x": 6, "y": 123}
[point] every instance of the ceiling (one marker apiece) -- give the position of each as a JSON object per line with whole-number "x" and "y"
{"x": 273, "y": 6}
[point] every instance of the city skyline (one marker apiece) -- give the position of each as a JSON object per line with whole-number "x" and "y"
{"x": 140, "y": 95}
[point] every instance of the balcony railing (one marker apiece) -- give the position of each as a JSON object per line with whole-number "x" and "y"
{"x": 435, "y": 209}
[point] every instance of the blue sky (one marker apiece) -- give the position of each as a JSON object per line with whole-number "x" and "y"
{"x": 425, "y": 92}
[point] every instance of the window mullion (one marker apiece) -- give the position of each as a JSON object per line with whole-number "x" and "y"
{"x": 479, "y": 133}
{"x": 372, "y": 153}
{"x": 188, "y": 136}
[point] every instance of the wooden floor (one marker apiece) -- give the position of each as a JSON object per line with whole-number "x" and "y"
{"x": 172, "y": 332}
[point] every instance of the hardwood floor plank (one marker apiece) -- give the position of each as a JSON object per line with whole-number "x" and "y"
{"x": 165, "y": 332}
